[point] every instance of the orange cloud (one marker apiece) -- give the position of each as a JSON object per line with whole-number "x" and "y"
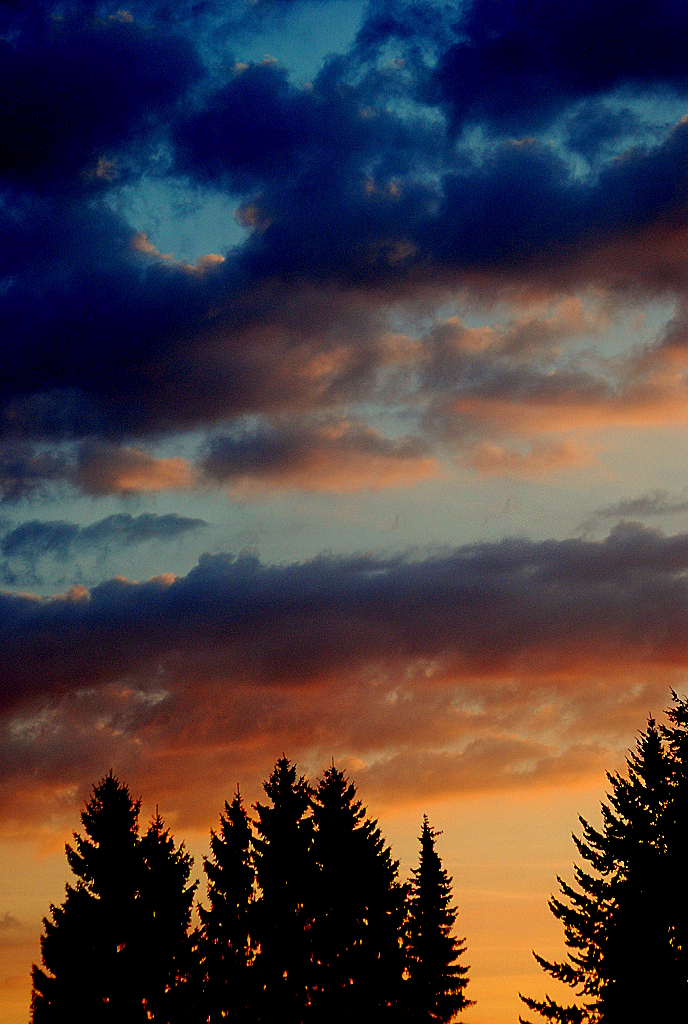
{"x": 538, "y": 459}
{"x": 109, "y": 469}
{"x": 506, "y": 663}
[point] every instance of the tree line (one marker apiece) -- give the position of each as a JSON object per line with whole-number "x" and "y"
{"x": 306, "y": 918}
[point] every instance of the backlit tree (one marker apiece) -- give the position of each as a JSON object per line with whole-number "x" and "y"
{"x": 227, "y": 941}
{"x": 624, "y": 914}
{"x": 437, "y": 979}
{"x": 117, "y": 948}
{"x": 359, "y": 909}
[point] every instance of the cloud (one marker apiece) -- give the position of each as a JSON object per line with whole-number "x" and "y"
{"x": 74, "y": 87}
{"x": 529, "y": 397}
{"x": 360, "y": 206}
{"x": 36, "y": 539}
{"x": 549, "y": 609}
{"x": 491, "y": 667}
{"x": 108, "y": 469}
{"x": 515, "y": 66}
{"x": 655, "y": 504}
{"x": 339, "y": 457}
{"x": 541, "y": 458}
{"x": 8, "y": 921}
{"x": 24, "y": 471}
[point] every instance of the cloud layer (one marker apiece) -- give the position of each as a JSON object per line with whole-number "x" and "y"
{"x": 402, "y": 179}
{"x": 515, "y": 652}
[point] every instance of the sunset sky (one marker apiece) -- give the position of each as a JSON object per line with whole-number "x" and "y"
{"x": 343, "y": 413}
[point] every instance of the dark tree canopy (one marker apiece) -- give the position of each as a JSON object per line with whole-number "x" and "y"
{"x": 283, "y": 855}
{"x": 359, "y": 909}
{"x": 624, "y": 915}
{"x": 306, "y": 919}
{"x": 117, "y": 948}
{"x": 228, "y": 943}
{"x": 437, "y": 980}
{"x": 166, "y": 899}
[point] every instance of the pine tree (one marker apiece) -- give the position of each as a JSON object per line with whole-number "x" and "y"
{"x": 436, "y": 980}
{"x": 164, "y": 912}
{"x": 676, "y": 738}
{"x": 227, "y": 943}
{"x": 359, "y": 910}
{"x": 621, "y": 918}
{"x": 284, "y": 871}
{"x": 117, "y": 948}
{"x": 89, "y": 948}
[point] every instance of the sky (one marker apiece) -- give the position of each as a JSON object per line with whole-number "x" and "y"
{"x": 343, "y": 405}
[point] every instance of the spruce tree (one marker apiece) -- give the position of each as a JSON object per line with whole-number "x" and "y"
{"x": 117, "y": 948}
{"x": 227, "y": 942}
{"x": 359, "y": 910}
{"x": 675, "y": 735}
{"x": 621, "y": 917}
{"x": 164, "y": 914}
{"x": 436, "y": 979}
{"x": 283, "y": 858}
{"x": 89, "y": 949}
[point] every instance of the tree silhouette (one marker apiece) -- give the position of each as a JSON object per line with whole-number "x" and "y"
{"x": 227, "y": 943}
{"x": 165, "y": 904}
{"x": 622, "y": 921}
{"x": 359, "y": 909}
{"x": 283, "y": 858}
{"x": 87, "y": 946}
{"x": 115, "y": 950}
{"x": 676, "y": 739}
{"x": 436, "y": 980}
{"x": 307, "y": 920}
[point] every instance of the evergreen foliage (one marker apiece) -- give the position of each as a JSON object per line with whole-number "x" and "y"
{"x": 283, "y": 857}
{"x": 227, "y": 939}
{"x": 623, "y": 920}
{"x": 306, "y": 919}
{"x": 436, "y": 980}
{"x": 166, "y": 952}
{"x": 359, "y": 909}
{"x": 117, "y": 949}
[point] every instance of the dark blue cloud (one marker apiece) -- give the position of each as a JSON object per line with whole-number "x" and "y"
{"x": 26, "y": 472}
{"x": 354, "y": 193}
{"x": 74, "y": 88}
{"x": 516, "y": 63}
{"x": 250, "y": 129}
{"x": 36, "y": 538}
{"x": 481, "y": 609}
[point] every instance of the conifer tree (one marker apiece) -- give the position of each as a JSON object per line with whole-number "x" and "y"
{"x": 165, "y": 945}
{"x": 227, "y": 943}
{"x": 620, "y": 916}
{"x": 359, "y": 909}
{"x": 117, "y": 948}
{"x": 283, "y": 858}
{"x": 88, "y": 947}
{"x": 436, "y": 980}
{"x": 675, "y": 735}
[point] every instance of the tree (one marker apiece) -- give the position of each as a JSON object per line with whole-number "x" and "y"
{"x": 284, "y": 870}
{"x": 227, "y": 942}
{"x": 359, "y": 909}
{"x": 115, "y": 949}
{"x": 87, "y": 947}
{"x": 436, "y": 980}
{"x": 622, "y": 920}
{"x": 164, "y": 912}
